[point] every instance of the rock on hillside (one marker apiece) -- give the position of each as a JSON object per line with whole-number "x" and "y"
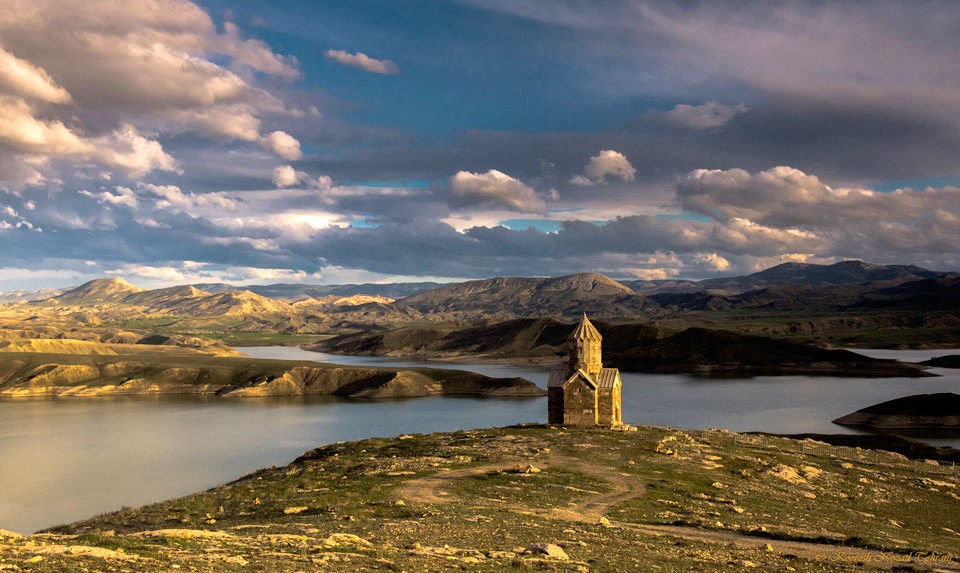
{"x": 922, "y": 412}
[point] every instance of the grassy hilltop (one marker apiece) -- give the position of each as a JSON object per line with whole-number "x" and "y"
{"x": 536, "y": 498}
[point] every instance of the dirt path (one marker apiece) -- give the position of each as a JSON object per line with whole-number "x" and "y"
{"x": 434, "y": 489}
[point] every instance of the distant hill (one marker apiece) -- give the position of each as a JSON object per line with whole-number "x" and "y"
{"x": 97, "y": 291}
{"x": 795, "y": 274}
{"x": 232, "y": 303}
{"x": 941, "y": 293}
{"x": 802, "y": 274}
{"x": 164, "y": 298}
{"x": 510, "y": 297}
{"x": 302, "y": 291}
{"x": 118, "y": 296}
{"x": 633, "y": 347}
{"x": 29, "y": 295}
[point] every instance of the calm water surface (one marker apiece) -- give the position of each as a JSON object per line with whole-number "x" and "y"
{"x": 66, "y": 459}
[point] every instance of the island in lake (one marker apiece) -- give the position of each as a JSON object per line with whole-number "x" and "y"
{"x": 927, "y": 414}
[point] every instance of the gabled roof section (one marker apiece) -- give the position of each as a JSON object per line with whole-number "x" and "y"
{"x": 581, "y": 373}
{"x": 558, "y": 377}
{"x": 609, "y": 378}
{"x": 585, "y": 330}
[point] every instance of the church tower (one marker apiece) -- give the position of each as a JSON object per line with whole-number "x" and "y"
{"x": 581, "y": 392}
{"x": 584, "y": 353}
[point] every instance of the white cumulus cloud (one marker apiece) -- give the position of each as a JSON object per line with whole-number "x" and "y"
{"x": 286, "y": 176}
{"x": 282, "y": 144}
{"x": 493, "y": 188}
{"x": 363, "y": 62}
{"x": 606, "y": 164}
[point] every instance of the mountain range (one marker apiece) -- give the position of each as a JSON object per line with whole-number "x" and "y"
{"x": 846, "y": 287}
{"x": 795, "y": 274}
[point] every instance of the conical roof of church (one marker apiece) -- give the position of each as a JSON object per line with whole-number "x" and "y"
{"x": 585, "y": 330}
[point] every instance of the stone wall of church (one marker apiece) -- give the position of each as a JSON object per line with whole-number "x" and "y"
{"x": 579, "y": 405}
{"x": 608, "y": 405}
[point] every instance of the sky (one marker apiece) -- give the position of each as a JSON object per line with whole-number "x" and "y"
{"x": 171, "y": 141}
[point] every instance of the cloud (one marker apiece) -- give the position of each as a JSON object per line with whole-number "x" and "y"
{"x": 841, "y": 221}
{"x": 294, "y": 228}
{"x": 493, "y": 188}
{"x": 363, "y": 61}
{"x": 257, "y": 55}
{"x": 159, "y": 68}
{"x": 124, "y": 196}
{"x": 652, "y": 274}
{"x": 286, "y": 176}
{"x": 24, "y": 79}
{"x": 172, "y": 198}
{"x": 607, "y": 163}
{"x": 706, "y": 116}
{"x": 282, "y": 144}
{"x": 125, "y": 149}
{"x": 713, "y": 260}
{"x": 21, "y": 131}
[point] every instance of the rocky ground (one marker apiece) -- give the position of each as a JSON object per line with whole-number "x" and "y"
{"x": 535, "y": 498}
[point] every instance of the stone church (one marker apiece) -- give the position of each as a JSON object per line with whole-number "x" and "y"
{"x": 582, "y": 392}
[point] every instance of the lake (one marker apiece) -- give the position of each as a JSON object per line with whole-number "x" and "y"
{"x": 66, "y": 459}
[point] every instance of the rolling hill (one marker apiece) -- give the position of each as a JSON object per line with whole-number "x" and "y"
{"x": 97, "y": 291}
{"x": 794, "y": 274}
{"x": 633, "y": 347}
{"x": 509, "y": 297}
{"x": 302, "y": 291}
